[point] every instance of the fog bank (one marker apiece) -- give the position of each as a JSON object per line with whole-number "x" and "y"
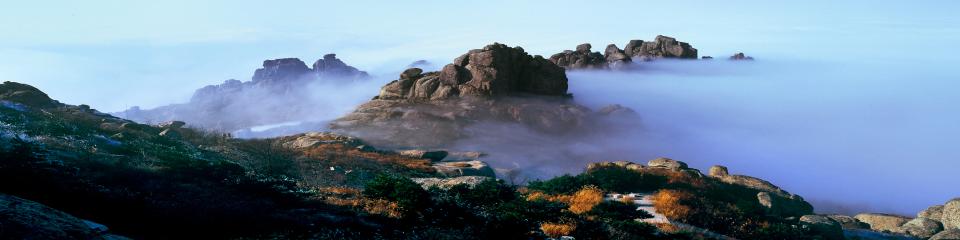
{"x": 871, "y": 136}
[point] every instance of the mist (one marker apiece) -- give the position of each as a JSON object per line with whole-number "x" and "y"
{"x": 869, "y": 136}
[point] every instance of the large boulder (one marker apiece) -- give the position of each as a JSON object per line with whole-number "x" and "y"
{"x": 582, "y": 58}
{"x": 25, "y": 219}
{"x": 661, "y": 47}
{"x": 417, "y": 153}
{"x": 951, "y": 214}
{"x": 921, "y": 227}
{"x": 934, "y": 212}
{"x": 667, "y": 163}
{"x": 882, "y": 222}
{"x": 464, "y": 168}
{"x": 949, "y": 234}
{"x": 26, "y": 95}
{"x": 823, "y": 226}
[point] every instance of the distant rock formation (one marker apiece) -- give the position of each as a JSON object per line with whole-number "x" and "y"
{"x": 741, "y": 57}
{"x": 226, "y": 107}
{"x": 614, "y": 57}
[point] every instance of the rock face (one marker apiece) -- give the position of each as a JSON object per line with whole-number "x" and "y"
{"x": 949, "y": 234}
{"x": 24, "y": 219}
{"x": 921, "y": 227}
{"x": 279, "y": 87}
{"x": 824, "y": 226}
{"x": 882, "y": 222}
{"x": 661, "y": 47}
{"x": 934, "y": 212}
{"x": 25, "y": 94}
{"x": 951, "y": 214}
{"x": 582, "y": 58}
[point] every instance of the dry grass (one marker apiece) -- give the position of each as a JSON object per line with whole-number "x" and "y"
{"x": 580, "y": 202}
{"x": 627, "y": 199}
{"x": 352, "y": 198}
{"x": 345, "y": 154}
{"x": 556, "y": 230}
{"x": 669, "y": 203}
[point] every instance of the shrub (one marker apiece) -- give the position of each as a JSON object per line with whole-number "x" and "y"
{"x": 406, "y": 193}
{"x": 668, "y": 202}
{"x": 630, "y": 230}
{"x": 584, "y": 200}
{"x": 565, "y": 184}
{"x": 556, "y": 230}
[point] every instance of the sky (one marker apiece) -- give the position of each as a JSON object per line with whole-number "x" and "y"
{"x": 116, "y": 54}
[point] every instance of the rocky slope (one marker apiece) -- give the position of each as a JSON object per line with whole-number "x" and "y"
{"x": 232, "y": 105}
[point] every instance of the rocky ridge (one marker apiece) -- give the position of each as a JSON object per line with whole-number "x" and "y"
{"x": 224, "y": 107}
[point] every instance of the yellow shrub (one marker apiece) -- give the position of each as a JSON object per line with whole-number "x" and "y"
{"x": 556, "y": 230}
{"x": 382, "y": 207}
{"x": 584, "y": 200}
{"x": 668, "y": 203}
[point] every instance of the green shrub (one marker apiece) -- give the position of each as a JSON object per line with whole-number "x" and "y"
{"x": 618, "y": 211}
{"x": 408, "y": 194}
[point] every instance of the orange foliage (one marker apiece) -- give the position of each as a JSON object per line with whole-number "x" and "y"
{"x": 556, "y": 230}
{"x": 345, "y": 154}
{"x": 584, "y": 200}
{"x": 669, "y": 203}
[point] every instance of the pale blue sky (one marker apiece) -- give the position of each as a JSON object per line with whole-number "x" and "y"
{"x": 115, "y": 54}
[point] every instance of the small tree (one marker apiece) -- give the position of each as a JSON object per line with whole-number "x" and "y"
{"x": 406, "y": 193}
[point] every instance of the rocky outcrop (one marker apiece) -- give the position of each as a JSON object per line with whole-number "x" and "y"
{"x": 616, "y": 58}
{"x": 25, "y": 219}
{"x": 235, "y": 105}
{"x": 332, "y": 67}
{"x": 495, "y": 70}
{"x": 741, "y": 57}
{"x": 921, "y": 227}
{"x": 934, "y": 212}
{"x": 661, "y": 47}
{"x": 882, "y": 222}
{"x": 582, "y": 58}
{"x": 464, "y": 168}
{"x": 432, "y": 155}
{"x": 26, "y": 95}
{"x": 951, "y": 214}
{"x": 447, "y": 183}
{"x": 667, "y": 163}
{"x": 949, "y": 234}
{"x": 823, "y": 226}
{"x": 495, "y": 85}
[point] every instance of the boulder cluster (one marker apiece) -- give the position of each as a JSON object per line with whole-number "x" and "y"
{"x": 614, "y": 57}
{"x": 494, "y": 70}
{"x": 937, "y": 222}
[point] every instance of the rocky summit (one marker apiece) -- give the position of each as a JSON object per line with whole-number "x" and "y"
{"x": 494, "y": 84}
{"x": 615, "y": 58}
